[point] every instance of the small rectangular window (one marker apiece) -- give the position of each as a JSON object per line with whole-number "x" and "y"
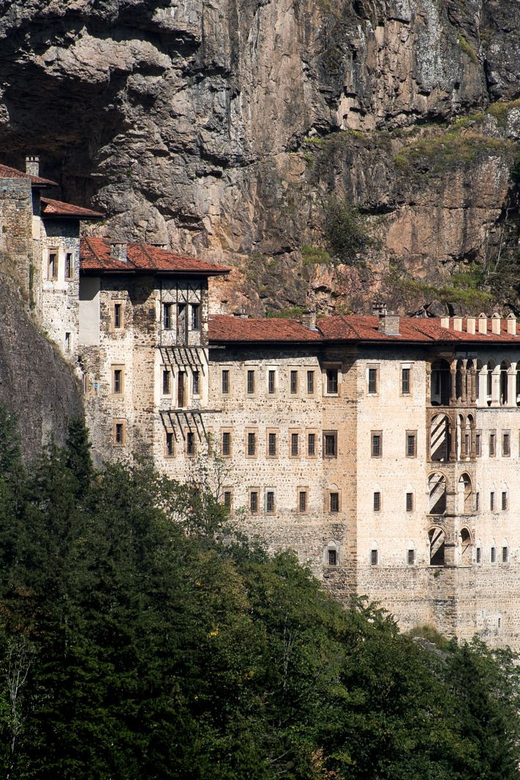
{"x": 225, "y": 381}
{"x": 493, "y": 554}
{"x": 251, "y": 444}
{"x": 411, "y": 444}
{"x": 166, "y": 381}
{"x": 117, "y": 316}
{"x": 311, "y": 445}
{"x": 376, "y": 448}
{"x": 272, "y": 448}
{"x": 310, "y": 382}
{"x": 373, "y": 381}
{"x": 52, "y": 265}
{"x": 227, "y": 499}
{"x": 377, "y": 501}
{"x": 479, "y": 555}
{"x": 330, "y": 444}
{"x": 492, "y": 501}
{"x": 195, "y": 316}
{"x": 253, "y": 502}
{"x": 226, "y": 444}
{"x": 167, "y": 316}
{"x": 271, "y": 381}
{"x": 295, "y": 445}
{"x": 504, "y": 500}
{"x": 302, "y": 501}
{"x": 181, "y": 389}
{"x": 504, "y": 554}
{"x": 190, "y": 444}
{"x": 269, "y": 501}
{"x": 169, "y": 446}
{"x": 506, "y": 444}
{"x": 294, "y": 382}
{"x": 117, "y": 381}
{"x": 492, "y": 444}
{"x": 411, "y": 557}
{"x": 332, "y": 381}
{"x": 69, "y": 266}
{"x": 196, "y": 383}
{"x": 409, "y": 502}
{"x": 119, "y": 434}
{"x": 332, "y": 557}
{"x": 478, "y": 443}
{"x": 334, "y": 502}
{"x": 374, "y": 557}
{"x": 405, "y": 381}
{"x": 250, "y": 382}
{"x": 477, "y": 502}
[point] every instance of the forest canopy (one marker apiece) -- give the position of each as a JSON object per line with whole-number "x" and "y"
{"x": 140, "y": 637}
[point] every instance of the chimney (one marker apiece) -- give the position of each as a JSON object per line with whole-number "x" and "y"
{"x": 445, "y": 322}
{"x": 118, "y": 251}
{"x": 482, "y": 323}
{"x": 309, "y": 319}
{"x": 511, "y": 324}
{"x": 32, "y": 165}
{"x": 457, "y": 323}
{"x": 496, "y": 323}
{"x": 389, "y": 323}
{"x": 471, "y": 324}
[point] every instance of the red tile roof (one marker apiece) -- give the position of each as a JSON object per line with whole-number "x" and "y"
{"x": 225, "y": 328}
{"x": 355, "y": 328}
{"x": 56, "y": 208}
{"x": 12, "y": 173}
{"x": 96, "y": 258}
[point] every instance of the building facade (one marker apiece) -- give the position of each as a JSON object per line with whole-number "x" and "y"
{"x": 385, "y": 451}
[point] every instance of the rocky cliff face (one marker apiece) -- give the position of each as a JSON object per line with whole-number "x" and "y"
{"x": 331, "y": 151}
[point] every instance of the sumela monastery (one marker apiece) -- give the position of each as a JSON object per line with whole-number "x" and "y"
{"x": 385, "y": 451}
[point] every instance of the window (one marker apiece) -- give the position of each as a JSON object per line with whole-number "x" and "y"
{"x": 117, "y": 315}
{"x": 332, "y": 557}
{"x": 227, "y": 499}
{"x": 376, "y": 444}
{"x": 504, "y": 554}
{"x": 271, "y": 381}
{"x": 411, "y": 444}
{"x": 492, "y": 501}
{"x": 166, "y": 381}
{"x": 195, "y": 316}
{"x": 117, "y": 381}
{"x": 295, "y": 445}
{"x": 330, "y": 444}
{"x": 294, "y": 382}
{"x": 373, "y": 380}
{"x": 302, "y": 501}
{"x": 504, "y": 500}
{"x": 225, "y": 381}
{"x": 374, "y": 557}
{"x": 377, "y": 501}
{"x": 181, "y": 387}
{"x": 269, "y": 502}
{"x": 167, "y": 316}
{"x": 251, "y": 444}
{"x": 190, "y": 444}
{"x": 169, "y": 447}
{"x": 409, "y": 502}
{"x": 253, "y": 501}
{"x": 310, "y": 382}
{"x": 333, "y": 502}
{"x": 477, "y": 502}
{"x": 405, "y": 381}
{"x": 68, "y": 340}
{"x": 492, "y": 444}
{"x": 69, "y": 266}
{"x": 493, "y": 555}
{"x": 478, "y": 443}
{"x": 196, "y": 383}
{"x": 272, "y": 448}
{"x": 479, "y": 555}
{"x": 411, "y": 557}
{"x": 332, "y": 381}
{"x": 119, "y": 434}
{"x": 506, "y": 444}
{"x": 250, "y": 382}
{"x": 226, "y": 444}
{"x": 52, "y": 265}
{"x": 311, "y": 445}
{"x": 182, "y": 323}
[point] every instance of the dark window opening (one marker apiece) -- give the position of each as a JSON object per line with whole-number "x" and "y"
{"x": 310, "y": 382}
{"x": 332, "y": 557}
{"x": 167, "y": 316}
{"x": 332, "y": 381}
{"x": 250, "y": 382}
{"x": 225, "y": 381}
{"x": 195, "y": 316}
{"x": 295, "y": 444}
{"x": 334, "y": 502}
{"x": 271, "y": 382}
{"x": 377, "y": 445}
{"x": 311, "y": 444}
{"x": 190, "y": 443}
{"x": 294, "y": 382}
{"x": 372, "y": 380}
{"x": 271, "y": 445}
{"x": 377, "y": 501}
{"x": 409, "y": 502}
{"x": 226, "y": 443}
{"x": 405, "y": 381}
{"x": 374, "y": 557}
{"x": 169, "y": 443}
{"x": 302, "y": 501}
{"x": 251, "y": 444}
{"x": 253, "y": 502}
{"x": 166, "y": 382}
{"x": 269, "y": 501}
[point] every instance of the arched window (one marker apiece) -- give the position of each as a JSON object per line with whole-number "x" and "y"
{"x": 504, "y": 367}
{"x": 331, "y": 554}
{"x": 437, "y": 539}
{"x": 466, "y": 489}
{"x": 490, "y": 369}
{"x": 437, "y": 494}
{"x": 440, "y": 438}
{"x": 465, "y": 547}
{"x": 440, "y": 390}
